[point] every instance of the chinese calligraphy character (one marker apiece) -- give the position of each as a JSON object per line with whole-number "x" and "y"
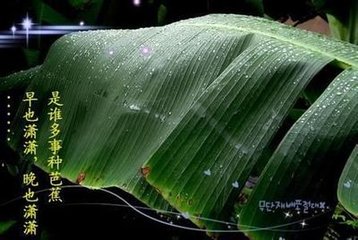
{"x": 55, "y": 195}
{"x": 30, "y": 227}
{"x": 55, "y": 179}
{"x": 54, "y": 161}
{"x": 30, "y": 211}
{"x": 30, "y": 147}
{"x": 55, "y": 99}
{"x": 55, "y": 130}
{"x": 30, "y": 116}
{"x": 30, "y": 196}
{"x": 30, "y": 131}
{"x": 30, "y": 97}
{"x": 30, "y": 179}
{"x": 55, "y": 114}
{"x": 55, "y": 146}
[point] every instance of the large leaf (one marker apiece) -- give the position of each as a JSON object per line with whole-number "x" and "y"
{"x": 348, "y": 184}
{"x": 306, "y": 164}
{"x": 192, "y": 106}
{"x": 228, "y": 130}
{"x": 138, "y": 84}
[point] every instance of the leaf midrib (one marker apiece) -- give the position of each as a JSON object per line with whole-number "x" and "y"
{"x": 277, "y": 37}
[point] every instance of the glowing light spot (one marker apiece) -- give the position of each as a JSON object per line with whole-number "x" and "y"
{"x": 136, "y": 3}
{"x": 82, "y": 23}
{"x": 145, "y": 51}
{"x": 26, "y": 23}
{"x": 303, "y": 224}
{"x": 13, "y": 29}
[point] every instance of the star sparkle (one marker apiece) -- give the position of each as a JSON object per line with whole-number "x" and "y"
{"x": 303, "y": 224}
{"x": 27, "y": 24}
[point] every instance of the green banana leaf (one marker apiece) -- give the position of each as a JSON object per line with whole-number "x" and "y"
{"x": 348, "y": 184}
{"x": 308, "y": 161}
{"x": 183, "y": 115}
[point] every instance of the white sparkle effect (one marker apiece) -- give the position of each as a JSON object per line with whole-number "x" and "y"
{"x": 287, "y": 214}
{"x": 303, "y": 224}
{"x": 27, "y": 24}
{"x": 13, "y": 30}
{"x": 145, "y": 51}
{"x": 136, "y": 3}
{"x": 27, "y": 28}
{"x": 111, "y": 52}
